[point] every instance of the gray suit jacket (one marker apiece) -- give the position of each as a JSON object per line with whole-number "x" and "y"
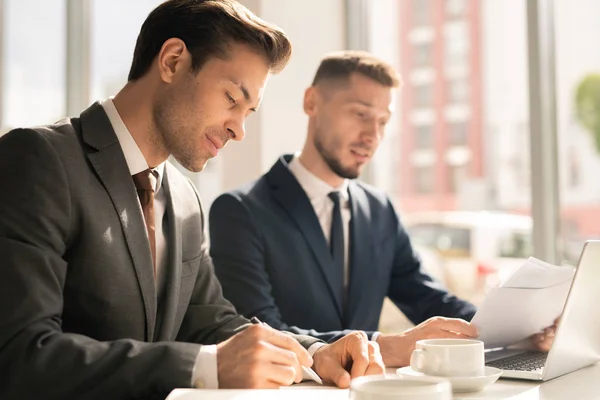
{"x": 78, "y": 306}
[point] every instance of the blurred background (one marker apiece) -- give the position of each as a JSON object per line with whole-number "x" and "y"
{"x": 493, "y": 154}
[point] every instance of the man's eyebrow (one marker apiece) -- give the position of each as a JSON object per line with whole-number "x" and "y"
{"x": 367, "y": 104}
{"x": 361, "y": 102}
{"x": 244, "y": 91}
{"x": 242, "y": 88}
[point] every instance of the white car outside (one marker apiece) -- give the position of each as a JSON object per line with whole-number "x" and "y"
{"x": 470, "y": 248}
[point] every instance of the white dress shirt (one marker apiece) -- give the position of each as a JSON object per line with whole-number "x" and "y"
{"x": 317, "y": 191}
{"x": 205, "y": 369}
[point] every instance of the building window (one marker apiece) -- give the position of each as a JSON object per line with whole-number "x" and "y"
{"x": 457, "y": 177}
{"x": 456, "y": 8}
{"x": 456, "y": 44}
{"x": 424, "y": 179}
{"x": 458, "y": 91}
{"x": 422, "y": 11}
{"x": 422, "y": 55}
{"x": 458, "y": 133}
{"x": 423, "y": 137}
{"x": 423, "y": 96}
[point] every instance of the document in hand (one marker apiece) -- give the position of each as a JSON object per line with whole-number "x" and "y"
{"x": 525, "y": 303}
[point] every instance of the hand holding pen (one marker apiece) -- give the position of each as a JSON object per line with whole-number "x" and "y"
{"x": 261, "y": 357}
{"x": 309, "y": 373}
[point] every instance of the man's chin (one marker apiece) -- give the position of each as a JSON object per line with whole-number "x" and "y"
{"x": 346, "y": 171}
{"x": 349, "y": 174}
{"x": 198, "y": 166}
{"x": 352, "y": 172}
{"x": 196, "y": 169}
{"x": 193, "y": 166}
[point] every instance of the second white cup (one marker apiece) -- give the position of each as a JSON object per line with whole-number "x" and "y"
{"x": 395, "y": 387}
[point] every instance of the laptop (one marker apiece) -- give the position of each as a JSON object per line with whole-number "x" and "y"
{"x": 577, "y": 341}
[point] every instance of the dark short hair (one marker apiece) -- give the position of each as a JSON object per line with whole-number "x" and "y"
{"x": 208, "y": 28}
{"x": 339, "y": 66}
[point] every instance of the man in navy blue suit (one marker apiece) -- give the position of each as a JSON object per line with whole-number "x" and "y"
{"x": 308, "y": 249}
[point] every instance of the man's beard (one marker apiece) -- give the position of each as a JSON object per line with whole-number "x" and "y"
{"x": 334, "y": 164}
{"x": 174, "y": 137}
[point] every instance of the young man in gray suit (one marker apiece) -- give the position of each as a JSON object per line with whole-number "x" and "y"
{"x": 107, "y": 290}
{"x": 315, "y": 251}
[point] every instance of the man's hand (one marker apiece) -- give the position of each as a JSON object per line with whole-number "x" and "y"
{"x": 543, "y": 341}
{"x": 396, "y": 349}
{"x": 349, "y": 357}
{"x": 260, "y": 357}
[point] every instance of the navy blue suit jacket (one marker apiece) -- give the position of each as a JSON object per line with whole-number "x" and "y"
{"x": 273, "y": 260}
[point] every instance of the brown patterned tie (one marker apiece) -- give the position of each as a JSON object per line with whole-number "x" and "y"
{"x": 145, "y": 183}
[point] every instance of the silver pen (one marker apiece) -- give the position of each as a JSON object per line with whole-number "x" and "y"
{"x": 308, "y": 371}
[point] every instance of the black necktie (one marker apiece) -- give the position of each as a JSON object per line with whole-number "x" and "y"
{"x": 336, "y": 244}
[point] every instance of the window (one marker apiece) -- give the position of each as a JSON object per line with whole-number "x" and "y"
{"x": 456, "y": 45}
{"x": 422, "y": 12}
{"x": 424, "y": 179}
{"x": 458, "y": 133}
{"x": 458, "y": 91}
{"x": 33, "y": 85}
{"x": 423, "y": 137}
{"x": 423, "y": 55}
{"x": 423, "y": 96}
{"x": 456, "y": 8}
{"x": 578, "y": 122}
{"x": 457, "y": 177}
{"x": 480, "y": 177}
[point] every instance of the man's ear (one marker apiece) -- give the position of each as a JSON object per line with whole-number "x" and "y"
{"x": 311, "y": 101}
{"x": 172, "y": 58}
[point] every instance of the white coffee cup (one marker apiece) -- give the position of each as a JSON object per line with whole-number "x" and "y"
{"x": 400, "y": 387}
{"x": 449, "y": 357}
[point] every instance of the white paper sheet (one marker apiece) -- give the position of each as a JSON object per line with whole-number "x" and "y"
{"x": 526, "y": 303}
{"x": 537, "y": 274}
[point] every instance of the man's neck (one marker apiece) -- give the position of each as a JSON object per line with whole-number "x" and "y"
{"x": 137, "y": 117}
{"x": 318, "y": 167}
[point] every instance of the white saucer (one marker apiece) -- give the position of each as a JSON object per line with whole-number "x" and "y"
{"x": 463, "y": 384}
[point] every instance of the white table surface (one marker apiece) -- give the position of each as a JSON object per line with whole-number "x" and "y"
{"x": 579, "y": 385}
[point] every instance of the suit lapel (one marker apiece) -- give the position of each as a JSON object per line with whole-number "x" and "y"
{"x": 174, "y": 235}
{"x": 110, "y": 165}
{"x": 360, "y": 249}
{"x": 292, "y": 198}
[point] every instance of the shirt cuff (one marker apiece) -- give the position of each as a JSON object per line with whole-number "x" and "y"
{"x": 374, "y": 336}
{"x": 313, "y": 348}
{"x": 204, "y": 374}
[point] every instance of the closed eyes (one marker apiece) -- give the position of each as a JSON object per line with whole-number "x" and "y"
{"x": 231, "y": 99}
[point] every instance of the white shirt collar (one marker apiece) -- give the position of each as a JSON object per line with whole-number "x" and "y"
{"x": 314, "y": 186}
{"x": 133, "y": 155}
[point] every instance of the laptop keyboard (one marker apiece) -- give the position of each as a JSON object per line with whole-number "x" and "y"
{"x": 528, "y": 361}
